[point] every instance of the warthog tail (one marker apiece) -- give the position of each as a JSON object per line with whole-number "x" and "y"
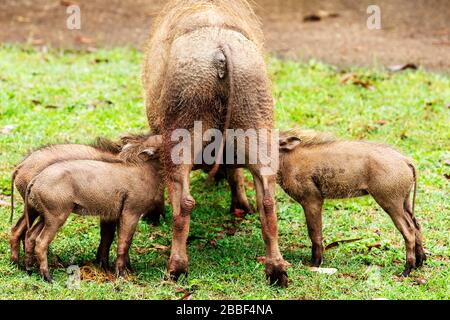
{"x": 229, "y": 69}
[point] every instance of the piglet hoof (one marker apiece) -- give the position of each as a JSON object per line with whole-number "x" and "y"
{"x": 407, "y": 272}
{"x": 316, "y": 262}
{"x": 46, "y": 275}
{"x": 29, "y": 265}
{"x": 15, "y": 260}
{"x": 277, "y": 273}
{"x": 421, "y": 257}
{"x": 103, "y": 265}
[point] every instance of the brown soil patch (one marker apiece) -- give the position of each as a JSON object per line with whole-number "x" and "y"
{"x": 412, "y": 31}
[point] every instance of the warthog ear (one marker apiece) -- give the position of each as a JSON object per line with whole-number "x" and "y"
{"x": 289, "y": 143}
{"x": 149, "y": 154}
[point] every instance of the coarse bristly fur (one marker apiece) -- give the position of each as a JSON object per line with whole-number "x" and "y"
{"x": 102, "y": 149}
{"x": 204, "y": 62}
{"x": 316, "y": 166}
{"x": 117, "y": 192}
{"x": 309, "y": 137}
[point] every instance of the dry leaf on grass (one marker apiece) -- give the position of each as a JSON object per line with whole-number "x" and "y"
{"x": 338, "y": 242}
{"x": 186, "y": 294}
{"x": 420, "y": 281}
{"x": 353, "y": 79}
{"x": 158, "y": 246}
{"x": 375, "y": 245}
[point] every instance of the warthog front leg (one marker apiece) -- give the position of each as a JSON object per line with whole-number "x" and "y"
{"x": 126, "y": 228}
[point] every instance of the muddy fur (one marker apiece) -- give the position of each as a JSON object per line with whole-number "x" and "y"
{"x": 315, "y": 167}
{"x": 117, "y": 192}
{"x": 178, "y": 18}
{"x": 204, "y": 62}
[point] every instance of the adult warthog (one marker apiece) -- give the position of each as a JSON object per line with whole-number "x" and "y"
{"x": 204, "y": 62}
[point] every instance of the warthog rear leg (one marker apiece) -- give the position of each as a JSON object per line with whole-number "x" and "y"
{"x": 404, "y": 223}
{"x": 30, "y": 241}
{"x": 276, "y": 267}
{"x": 52, "y": 224}
{"x": 182, "y": 205}
{"x": 312, "y": 207}
{"x": 18, "y": 234}
{"x": 239, "y": 199}
{"x": 421, "y": 257}
{"x": 126, "y": 228}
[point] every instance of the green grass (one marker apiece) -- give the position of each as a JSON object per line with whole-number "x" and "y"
{"x": 408, "y": 110}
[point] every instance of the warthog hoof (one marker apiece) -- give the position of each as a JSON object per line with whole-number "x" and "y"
{"x": 29, "y": 263}
{"x": 102, "y": 264}
{"x": 177, "y": 267}
{"x": 277, "y": 273}
{"x": 317, "y": 262}
{"x": 122, "y": 269}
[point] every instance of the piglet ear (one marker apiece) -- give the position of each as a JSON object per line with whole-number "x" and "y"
{"x": 289, "y": 143}
{"x": 125, "y": 138}
{"x": 148, "y": 154}
{"x": 154, "y": 141}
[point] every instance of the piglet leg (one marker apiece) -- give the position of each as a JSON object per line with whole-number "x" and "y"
{"x": 107, "y": 231}
{"x": 127, "y": 226}
{"x": 46, "y": 236}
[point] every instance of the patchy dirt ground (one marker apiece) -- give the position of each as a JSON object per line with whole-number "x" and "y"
{"x": 412, "y": 31}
